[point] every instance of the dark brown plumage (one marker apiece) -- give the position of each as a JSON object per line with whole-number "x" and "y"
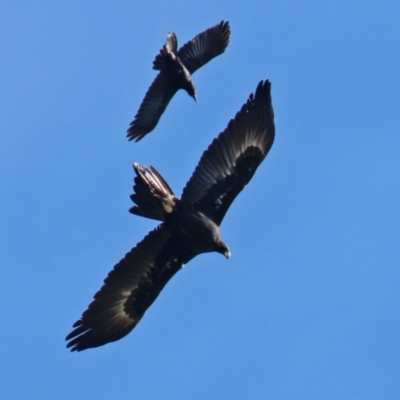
{"x": 190, "y": 225}
{"x": 176, "y": 67}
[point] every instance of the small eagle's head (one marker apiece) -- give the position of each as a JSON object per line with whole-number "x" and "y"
{"x": 191, "y": 90}
{"x": 222, "y": 248}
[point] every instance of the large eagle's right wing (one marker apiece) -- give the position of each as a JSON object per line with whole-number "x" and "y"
{"x": 233, "y": 157}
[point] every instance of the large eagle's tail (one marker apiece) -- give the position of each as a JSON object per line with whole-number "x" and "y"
{"x": 153, "y": 196}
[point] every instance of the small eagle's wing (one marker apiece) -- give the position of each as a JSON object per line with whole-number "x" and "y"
{"x": 153, "y": 196}
{"x": 153, "y": 105}
{"x": 128, "y": 291}
{"x": 233, "y": 157}
{"x": 205, "y": 46}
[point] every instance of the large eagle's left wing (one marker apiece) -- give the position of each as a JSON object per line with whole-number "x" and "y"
{"x": 129, "y": 290}
{"x": 233, "y": 157}
{"x": 205, "y": 46}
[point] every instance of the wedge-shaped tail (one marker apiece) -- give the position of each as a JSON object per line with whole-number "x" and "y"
{"x": 153, "y": 196}
{"x": 167, "y": 53}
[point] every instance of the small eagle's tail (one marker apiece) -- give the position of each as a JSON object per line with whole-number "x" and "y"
{"x": 153, "y": 196}
{"x": 167, "y": 52}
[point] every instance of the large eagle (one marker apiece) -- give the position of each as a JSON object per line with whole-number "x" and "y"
{"x": 176, "y": 67}
{"x": 190, "y": 225}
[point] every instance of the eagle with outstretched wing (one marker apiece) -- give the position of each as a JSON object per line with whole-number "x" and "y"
{"x": 176, "y": 67}
{"x": 190, "y": 225}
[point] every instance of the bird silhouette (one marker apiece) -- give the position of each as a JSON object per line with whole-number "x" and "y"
{"x": 176, "y": 67}
{"x": 190, "y": 225}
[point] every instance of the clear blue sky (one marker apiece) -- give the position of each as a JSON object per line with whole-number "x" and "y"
{"x": 308, "y": 305}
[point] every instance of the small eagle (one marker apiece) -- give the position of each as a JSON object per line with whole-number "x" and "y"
{"x": 190, "y": 225}
{"x": 176, "y": 67}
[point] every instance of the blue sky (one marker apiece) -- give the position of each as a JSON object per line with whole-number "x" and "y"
{"x": 308, "y": 305}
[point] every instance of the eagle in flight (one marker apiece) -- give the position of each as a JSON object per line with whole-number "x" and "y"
{"x": 176, "y": 67}
{"x": 189, "y": 227}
